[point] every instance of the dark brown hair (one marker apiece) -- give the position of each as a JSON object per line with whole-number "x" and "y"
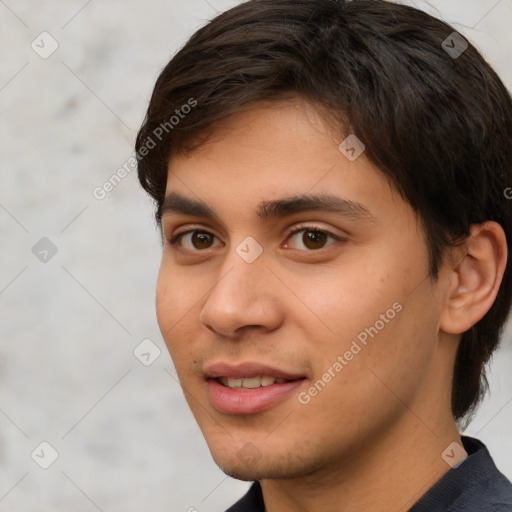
{"x": 438, "y": 125}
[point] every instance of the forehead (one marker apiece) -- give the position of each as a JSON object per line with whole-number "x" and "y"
{"x": 273, "y": 160}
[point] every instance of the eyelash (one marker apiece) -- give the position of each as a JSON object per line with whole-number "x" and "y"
{"x": 174, "y": 240}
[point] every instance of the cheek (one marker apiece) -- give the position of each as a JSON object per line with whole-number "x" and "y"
{"x": 178, "y": 305}
{"x": 164, "y": 302}
{"x": 387, "y": 349}
{"x": 171, "y": 307}
{"x": 371, "y": 315}
{"x": 342, "y": 303}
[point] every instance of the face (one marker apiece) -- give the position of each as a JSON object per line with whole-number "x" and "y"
{"x": 293, "y": 295}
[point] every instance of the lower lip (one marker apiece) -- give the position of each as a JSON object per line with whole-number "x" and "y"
{"x": 248, "y": 401}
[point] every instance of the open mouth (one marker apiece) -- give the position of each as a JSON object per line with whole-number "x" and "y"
{"x": 251, "y": 382}
{"x": 250, "y": 395}
{"x": 249, "y": 387}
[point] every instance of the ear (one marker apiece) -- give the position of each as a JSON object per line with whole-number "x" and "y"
{"x": 475, "y": 278}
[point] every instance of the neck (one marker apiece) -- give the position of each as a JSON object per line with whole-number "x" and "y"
{"x": 390, "y": 472}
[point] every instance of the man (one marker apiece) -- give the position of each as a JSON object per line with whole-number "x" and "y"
{"x": 330, "y": 178}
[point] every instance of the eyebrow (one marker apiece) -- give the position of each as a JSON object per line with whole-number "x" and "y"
{"x": 268, "y": 210}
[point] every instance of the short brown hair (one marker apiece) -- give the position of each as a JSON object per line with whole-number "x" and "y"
{"x": 438, "y": 125}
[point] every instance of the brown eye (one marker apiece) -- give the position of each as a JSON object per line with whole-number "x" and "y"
{"x": 314, "y": 239}
{"x": 195, "y": 240}
{"x": 201, "y": 240}
{"x": 309, "y": 239}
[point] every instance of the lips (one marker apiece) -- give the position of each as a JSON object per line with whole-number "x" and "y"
{"x": 247, "y": 370}
{"x": 248, "y": 388}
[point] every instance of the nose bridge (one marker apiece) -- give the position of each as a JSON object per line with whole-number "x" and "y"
{"x": 240, "y": 297}
{"x": 238, "y": 282}
{"x": 242, "y": 269}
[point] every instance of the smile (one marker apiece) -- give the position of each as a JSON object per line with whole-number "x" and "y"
{"x": 250, "y": 382}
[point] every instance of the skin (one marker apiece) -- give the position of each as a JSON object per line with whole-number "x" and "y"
{"x": 298, "y": 307}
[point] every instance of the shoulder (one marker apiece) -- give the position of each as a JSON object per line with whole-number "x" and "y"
{"x": 499, "y": 507}
{"x": 476, "y": 485}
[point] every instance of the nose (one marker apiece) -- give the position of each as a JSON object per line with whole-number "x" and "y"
{"x": 244, "y": 298}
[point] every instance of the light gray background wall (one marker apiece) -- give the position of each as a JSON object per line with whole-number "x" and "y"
{"x": 70, "y": 323}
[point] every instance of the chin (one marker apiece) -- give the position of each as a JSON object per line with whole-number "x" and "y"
{"x": 243, "y": 474}
{"x": 257, "y": 473}
{"x": 278, "y": 468}
{"x": 242, "y": 464}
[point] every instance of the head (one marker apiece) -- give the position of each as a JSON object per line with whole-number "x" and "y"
{"x": 331, "y": 188}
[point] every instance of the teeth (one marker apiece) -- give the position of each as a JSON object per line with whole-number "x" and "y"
{"x": 251, "y": 382}
{"x": 267, "y": 381}
{"x": 233, "y": 383}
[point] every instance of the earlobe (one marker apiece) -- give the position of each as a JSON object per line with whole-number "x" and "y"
{"x": 476, "y": 278}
